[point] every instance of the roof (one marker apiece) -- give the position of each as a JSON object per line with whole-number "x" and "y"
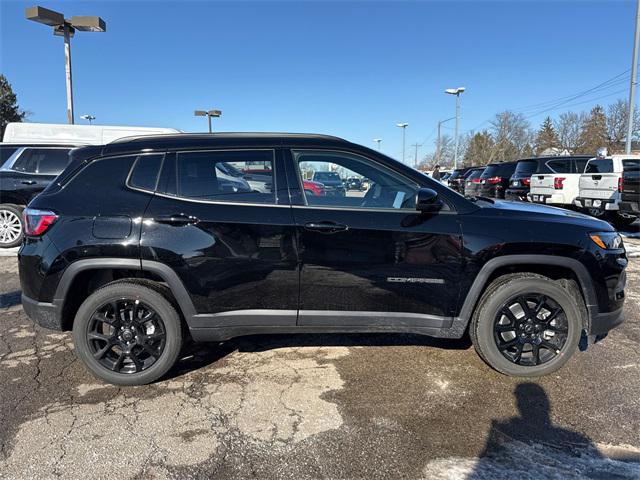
{"x": 204, "y": 140}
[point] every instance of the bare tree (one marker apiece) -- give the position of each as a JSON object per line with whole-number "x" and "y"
{"x": 568, "y": 127}
{"x": 512, "y": 135}
{"x": 617, "y": 121}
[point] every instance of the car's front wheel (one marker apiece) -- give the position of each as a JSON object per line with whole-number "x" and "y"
{"x": 11, "y": 226}
{"x": 526, "y": 325}
{"x": 127, "y": 333}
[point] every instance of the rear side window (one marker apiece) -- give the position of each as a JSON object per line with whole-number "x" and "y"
{"x": 474, "y": 174}
{"x": 48, "y": 161}
{"x": 145, "y": 171}
{"x": 244, "y": 176}
{"x": 599, "y": 166}
{"x": 560, "y": 165}
{"x": 631, "y": 165}
{"x": 580, "y": 165}
{"x": 499, "y": 170}
{"x": 527, "y": 167}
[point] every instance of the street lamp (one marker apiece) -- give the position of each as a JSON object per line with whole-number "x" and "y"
{"x": 90, "y": 118}
{"x": 403, "y": 126}
{"x": 456, "y": 92}
{"x": 66, "y": 28}
{"x": 208, "y": 114}
{"x": 378, "y": 141}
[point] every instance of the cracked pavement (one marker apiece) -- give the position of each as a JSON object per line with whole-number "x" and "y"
{"x": 318, "y": 406}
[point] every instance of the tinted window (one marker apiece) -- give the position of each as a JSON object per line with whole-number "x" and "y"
{"x": 381, "y": 188}
{"x": 580, "y": 165}
{"x": 474, "y": 174}
{"x": 49, "y": 161}
{"x": 599, "y": 166}
{"x": 145, "y": 172}
{"x": 631, "y": 165}
{"x": 499, "y": 170}
{"x": 220, "y": 176}
{"x": 5, "y": 153}
{"x": 457, "y": 174}
{"x": 560, "y": 166}
{"x": 526, "y": 167}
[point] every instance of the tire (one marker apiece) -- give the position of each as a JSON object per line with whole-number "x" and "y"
{"x": 155, "y": 344}
{"x": 11, "y": 226}
{"x": 562, "y": 332}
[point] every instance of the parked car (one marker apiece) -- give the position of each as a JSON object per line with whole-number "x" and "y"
{"x": 630, "y": 191}
{"x": 353, "y": 183}
{"x": 33, "y": 154}
{"x": 559, "y": 188}
{"x": 519, "y": 183}
{"x": 472, "y": 182}
{"x": 495, "y": 179}
{"x": 457, "y": 178}
{"x": 313, "y": 188}
{"x": 332, "y": 183}
{"x": 601, "y": 187}
{"x": 23, "y": 175}
{"x": 135, "y": 248}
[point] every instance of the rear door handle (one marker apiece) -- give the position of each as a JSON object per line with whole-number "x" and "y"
{"x": 596, "y": 177}
{"x": 325, "y": 227}
{"x": 28, "y": 182}
{"x": 177, "y": 219}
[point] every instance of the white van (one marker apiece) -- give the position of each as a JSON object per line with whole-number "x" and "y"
{"x": 601, "y": 187}
{"x": 64, "y": 134}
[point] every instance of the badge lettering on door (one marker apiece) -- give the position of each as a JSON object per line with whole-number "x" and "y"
{"x": 415, "y": 280}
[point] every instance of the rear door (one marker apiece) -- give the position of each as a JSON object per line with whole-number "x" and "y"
{"x": 368, "y": 258}
{"x": 600, "y": 179}
{"x": 227, "y": 234}
{"x": 631, "y": 180}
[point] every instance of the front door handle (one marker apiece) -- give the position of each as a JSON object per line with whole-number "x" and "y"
{"x": 325, "y": 227}
{"x": 28, "y": 182}
{"x": 177, "y": 219}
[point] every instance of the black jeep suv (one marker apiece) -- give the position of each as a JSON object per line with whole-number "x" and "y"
{"x": 139, "y": 245}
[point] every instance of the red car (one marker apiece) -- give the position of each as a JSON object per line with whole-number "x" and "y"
{"x": 313, "y": 188}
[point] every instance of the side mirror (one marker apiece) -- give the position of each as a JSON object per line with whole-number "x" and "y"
{"x": 427, "y": 201}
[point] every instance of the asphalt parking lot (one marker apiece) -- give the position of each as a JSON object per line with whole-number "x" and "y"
{"x": 318, "y": 406}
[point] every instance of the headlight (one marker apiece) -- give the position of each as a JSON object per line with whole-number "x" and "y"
{"x": 606, "y": 240}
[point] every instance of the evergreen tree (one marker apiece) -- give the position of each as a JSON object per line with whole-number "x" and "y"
{"x": 546, "y": 138}
{"x": 594, "y": 132}
{"x": 9, "y": 110}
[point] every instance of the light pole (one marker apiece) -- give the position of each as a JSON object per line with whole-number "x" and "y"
{"x": 438, "y": 148}
{"x": 208, "y": 114}
{"x": 403, "y": 126}
{"x": 634, "y": 80}
{"x": 378, "y": 141}
{"x": 89, "y": 118}
{"x": 456, "y": 92}
{"x": 66, "y": 28}
{"x": 415, "y": 159}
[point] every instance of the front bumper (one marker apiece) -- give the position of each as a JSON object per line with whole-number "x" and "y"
{"x": 597, "y": 203}
{"x": 44, "y": 314}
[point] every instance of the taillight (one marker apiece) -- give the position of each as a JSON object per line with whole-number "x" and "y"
{"x": 526, "y": 181}
{"x": 558, "y": 183}
{"x": 476, "y": 180}
{"x": 36, "y": 222}
{"x": 620, "y": 184}
{"x": 494, "y": 180}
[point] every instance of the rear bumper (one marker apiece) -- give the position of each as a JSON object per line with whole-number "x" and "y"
{"x": 518, "y": 194}
{"x": 44, "y": 314}
{"x": 632, "y": 208}
{"x": 597, "y": 203}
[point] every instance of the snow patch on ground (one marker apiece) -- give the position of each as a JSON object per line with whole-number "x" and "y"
{"x": 9, "y": 252}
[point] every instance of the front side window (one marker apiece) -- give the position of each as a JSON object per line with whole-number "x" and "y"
{"x": 599, "y": 166}
{"x": 244, "y": 176}
{"x": 324, "y": 174}
{"x": 48, "y": 161}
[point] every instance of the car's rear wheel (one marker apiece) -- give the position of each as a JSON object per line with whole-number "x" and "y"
{"x": 11, "y": 226}
{"x": 623, "y": 221}
{"x": 127, "y": 333}
{"x": 526, "y": 326}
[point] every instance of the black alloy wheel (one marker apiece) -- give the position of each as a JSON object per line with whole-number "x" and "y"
{"x": 530, "y": 329}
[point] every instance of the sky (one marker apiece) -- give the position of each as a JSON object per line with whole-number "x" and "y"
{"x": 351, "y": 69}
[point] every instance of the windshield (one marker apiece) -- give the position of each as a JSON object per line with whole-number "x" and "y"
{"x": 474, "y": 174}
{"x": 631, "y": 165}
{"x": 324, "y": 176}
{"x": 525, "y": 167}
{"x": 600, "y": 166}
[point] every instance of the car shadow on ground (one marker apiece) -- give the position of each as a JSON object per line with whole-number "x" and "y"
{"x": 199, "y": 355}
{"x": 10, "y": 299}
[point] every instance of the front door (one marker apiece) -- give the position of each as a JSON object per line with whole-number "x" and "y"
{"x": 367, "y": 256}
{"x": 221, "y": 220}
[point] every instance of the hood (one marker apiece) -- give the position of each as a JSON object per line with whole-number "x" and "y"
{"x": 544, "y": 212}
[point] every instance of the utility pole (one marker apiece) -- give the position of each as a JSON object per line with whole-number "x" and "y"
{"x": 415, "y": 160}
{"x": 456, "y": 92}
{"x": 634, "y": 79}
{"x": 438, "y": 148}
{"x": 403, "y": 126}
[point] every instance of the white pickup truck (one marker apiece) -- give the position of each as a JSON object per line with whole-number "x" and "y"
{"x": 559, "y": 188}
{"x": 601, "y": 188}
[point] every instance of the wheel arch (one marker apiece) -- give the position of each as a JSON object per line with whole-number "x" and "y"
{"x": 100, "y": 271}
{"x": 533, "y": 264}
